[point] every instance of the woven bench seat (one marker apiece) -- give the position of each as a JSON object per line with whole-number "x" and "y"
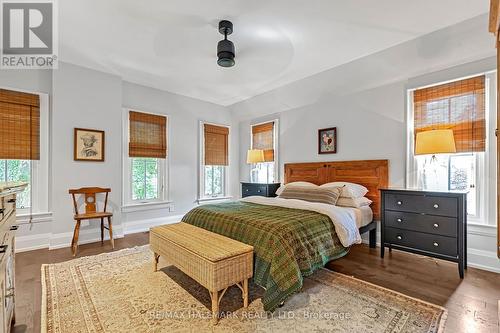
{"x": 214, "y": 261}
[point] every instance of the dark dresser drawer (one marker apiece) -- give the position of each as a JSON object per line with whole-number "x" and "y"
{"x": 425, "y": 242}
{"x": 254, "y": 189}
{"x": 427, "y": 204}
{"x": 264, "y": 190}
{"x": 424, "y": 222}
{"x": 439, "y": 225}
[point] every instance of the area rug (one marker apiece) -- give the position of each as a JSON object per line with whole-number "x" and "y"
{"x": 119, "y": 292}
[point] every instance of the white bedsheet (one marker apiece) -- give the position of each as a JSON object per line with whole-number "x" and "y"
{"x": 344, "y": 220}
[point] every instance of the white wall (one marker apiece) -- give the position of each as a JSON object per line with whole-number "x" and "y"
{"x": 366, "y": 101}
{"x": 184, "y": 116}
{"x": 86, "y": 98}
{"x": 370, "y": 125}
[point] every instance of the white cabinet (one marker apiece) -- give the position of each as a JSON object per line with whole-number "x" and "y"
{"x": 7, "y": 256}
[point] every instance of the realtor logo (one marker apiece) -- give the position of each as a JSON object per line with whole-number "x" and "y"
{"x": 28, "y": 34}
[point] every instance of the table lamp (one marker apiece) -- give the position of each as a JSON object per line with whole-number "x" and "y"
{"x": 255, "y": 156}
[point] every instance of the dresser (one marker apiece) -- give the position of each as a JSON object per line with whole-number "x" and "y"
{"x": 427, "y": 223}
{"x": 260, "y": 189}
{"x": 7, "y": 252}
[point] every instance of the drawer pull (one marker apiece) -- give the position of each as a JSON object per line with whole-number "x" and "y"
{"x": 258, "y": 191}
{"x": 14, "y": 227}
{"x": 246, "y": 190}
{"x": 399, "y": 237}
{"x": 400, "y": 203}
{"x": 436, "y": 206}
{"x": 3, "y": 248}
{"x": 436, "y": 244}
{"x": 400, "y": 220}
{"x": 436, "y": 225}
{"x": 11, "y": 200}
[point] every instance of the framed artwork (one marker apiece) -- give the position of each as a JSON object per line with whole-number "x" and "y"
{"x": 327, "y": 140}
{"x": 88, "y": 145}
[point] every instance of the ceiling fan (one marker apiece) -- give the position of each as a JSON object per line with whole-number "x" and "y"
{"x": 225, "y": 48}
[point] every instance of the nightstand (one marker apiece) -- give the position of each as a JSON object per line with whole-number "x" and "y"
{"x": 260, "y": 189}
{"x": 427, "y": 223}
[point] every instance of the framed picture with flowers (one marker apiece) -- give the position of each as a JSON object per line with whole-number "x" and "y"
{"x": 327, "y": 140}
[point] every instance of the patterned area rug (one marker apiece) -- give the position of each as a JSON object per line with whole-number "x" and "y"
{"x": 119, "y": 292}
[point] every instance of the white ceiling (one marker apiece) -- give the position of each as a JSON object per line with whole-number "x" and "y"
{"x": 171, "y": 44}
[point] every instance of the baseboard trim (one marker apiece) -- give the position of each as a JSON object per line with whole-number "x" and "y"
{"x": 62, "y": 240}
{"x": 134, "y": 227}
{"x": 32, "y": 242}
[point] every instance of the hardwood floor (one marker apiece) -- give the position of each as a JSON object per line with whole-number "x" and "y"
{"x": 472, "y": 303}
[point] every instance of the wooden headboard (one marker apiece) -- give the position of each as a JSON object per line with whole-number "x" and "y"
{"x": 373, "y": 174}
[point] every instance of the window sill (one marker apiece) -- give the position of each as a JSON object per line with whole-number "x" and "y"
{"x": 213, "y": 200}
{"x": 137, "y": 207}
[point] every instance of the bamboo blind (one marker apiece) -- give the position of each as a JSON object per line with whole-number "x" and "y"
{"x": 263, "y": 138}
{"x": 19, "y": 125}
{"x": 148, "y": 135}
{"x": 459, "y": 106}
{"x": 216, "y": 145}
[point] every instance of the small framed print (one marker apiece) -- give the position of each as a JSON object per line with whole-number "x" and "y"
{"x": 327, "y": 140}
{"x": 88, "y": 145}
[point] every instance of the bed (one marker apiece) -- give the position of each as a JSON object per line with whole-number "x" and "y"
{"x": 293, "y": 238}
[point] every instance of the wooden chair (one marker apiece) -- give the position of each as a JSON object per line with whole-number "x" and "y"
{"x": 91, "y": 212}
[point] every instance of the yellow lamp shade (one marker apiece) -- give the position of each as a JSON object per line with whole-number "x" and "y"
{"x": 255, "y": 156}
{"x": 435, "y": 142}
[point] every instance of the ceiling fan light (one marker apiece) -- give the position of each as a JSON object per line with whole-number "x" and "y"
{"x": 225, "y": 53}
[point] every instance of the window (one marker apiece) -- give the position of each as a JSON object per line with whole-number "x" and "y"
{"x": 455, "y": 172}
{"x": 24, "y": 148}
{"x": 214, "y": 181}
{"x": 146, "y": 177}
{"x": 18, "y": 170}
{"x": 263, "y": 136}
{"x": 214, "y": 160}
{"x": 145, "y": 171}
{"x": 460, "y": 106}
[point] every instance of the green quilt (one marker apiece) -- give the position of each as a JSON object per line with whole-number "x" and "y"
{"x": 288, "y": 243}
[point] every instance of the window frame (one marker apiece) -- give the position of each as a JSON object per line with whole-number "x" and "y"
{"x": 163, "y": 167}
{"x": 201, "y": 173}
{"x": 275, "y": 147}
{"x": 484, "y": 200}
{"x": 39, "y": 174}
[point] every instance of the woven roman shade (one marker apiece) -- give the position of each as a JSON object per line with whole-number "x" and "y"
{"x": 216, "y": 144}
{"x": 19, "y": 125}
{"x": 459, "y": 106}
{"x": 148, "y": 135}
{"x": 263, "y": 138}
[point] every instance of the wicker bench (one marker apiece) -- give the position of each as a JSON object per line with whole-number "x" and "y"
{"x": 214, "y": 261}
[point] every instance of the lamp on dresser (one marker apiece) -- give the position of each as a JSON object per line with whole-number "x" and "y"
{"x": 255, "y": 156}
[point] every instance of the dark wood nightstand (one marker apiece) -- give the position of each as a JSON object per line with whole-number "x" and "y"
{"x": 427, "y": 223}
{"x": 260, "y": 189}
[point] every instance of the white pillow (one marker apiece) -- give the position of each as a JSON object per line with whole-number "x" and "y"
{"x": 354, "y": 202}
{"x": 349, "y": 190}
{"x": 282, "y": 187}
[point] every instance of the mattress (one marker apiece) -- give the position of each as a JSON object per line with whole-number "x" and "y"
{"x": 364, "y": 215}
